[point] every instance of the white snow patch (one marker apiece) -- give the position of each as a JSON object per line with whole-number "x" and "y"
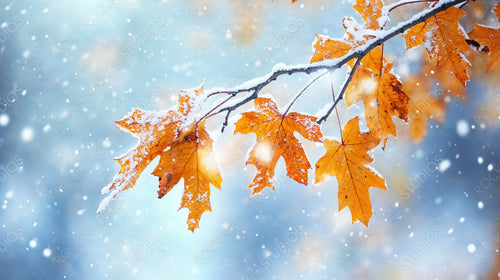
{"x": 438, "y": 200}
{"x": 47, "y": 252}
{"x": 471, "y": 248}
{"x": 4, "y": 120}
{"x": 480, "y": 160}
{"x": 104, "y": 203}
{"x": 106, "y": 143}
{"x": 47, "y": 128}
{"x": 9, "y": 194}
{"x": 490, "y": 167}
{"x": 463, "y": 128}
{"x": 228, "y": 35}
{"x": 480, "y": 205}
{"x": 444, "y": 165}
{"x": 27, "y": 134}
{"x": 33, "y": 243}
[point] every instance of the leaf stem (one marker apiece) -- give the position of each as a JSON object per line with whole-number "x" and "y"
{"x": 304, "y": 89}
{"x": 337, "y": 112}
{"x": 342, "y": 92}
{"x": 409, "y": 2}
{"x": 211, "y": 112}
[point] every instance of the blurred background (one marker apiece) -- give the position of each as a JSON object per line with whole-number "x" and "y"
{"x": 69, "y": 69}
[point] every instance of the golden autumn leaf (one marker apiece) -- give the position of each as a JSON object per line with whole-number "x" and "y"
{"x": 275, "y": 139}
{"x": 373, "y": 83}
{"x": 490, "y": 37}
{"x": 449, "y": 85}
{"x": 174, "y": 136}
{"x": 155, "y": 130}
{"x": 325, "y": 48}
{"x": 190, "y": 157}
{"x": 347, "y": 161}
{"x": 381, "y": 93}
{"x": 422, "y": 107}
{"x": 370, "y": 11}
{"x": 445, "y": 41}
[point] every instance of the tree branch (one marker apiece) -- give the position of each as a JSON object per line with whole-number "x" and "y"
{"x": 233, "y": 107}
{"x": 256, "y": 85}
{"x": 341, "y": 95}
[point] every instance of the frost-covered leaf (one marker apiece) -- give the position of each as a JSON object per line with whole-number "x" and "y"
{"x": 155, "y": 131}
{"x": 190, "y": 157}
{"x": 444, "y": 40}
{"x": 185, "y": 149}
{"x": 370, "y": 11}
{"x": 275, "y": 139}
{"x": 490, "y": 37}
{"x": 381, "y": 93}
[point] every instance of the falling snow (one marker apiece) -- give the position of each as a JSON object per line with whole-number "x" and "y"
{"x": 463, "y": 128}
{"x": 444, "y": 165}
{"x": 69, "y": 70}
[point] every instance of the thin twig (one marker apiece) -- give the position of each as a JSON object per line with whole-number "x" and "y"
{"x": 342, "y": 92}
{"x": 233, "y": 107}
{"x": 211, "y": 112}
{"x": 397, "y": 5}
{"x": 304, "y": 89}
{"x": 337, "y": 112}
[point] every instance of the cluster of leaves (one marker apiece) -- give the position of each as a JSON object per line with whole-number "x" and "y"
{"x": 180, "y": 138}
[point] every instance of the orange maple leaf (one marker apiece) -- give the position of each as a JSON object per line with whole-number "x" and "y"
{"x": 173, "y": 135}
{"x": 489, "y": 37}
{"x": 190, "y": 157}
{"x": 381, "y": 93}
{"x": 445, "y": 41}
{"x": 373, "y": 83}
{"x": 449, "y": 85}
{"x": 275, "y": 139}
{"x": 155, "y": 130}
{"x": 346, "y": 160}
{"x": 422, "y": 107}
{"x": 325, "y": 48}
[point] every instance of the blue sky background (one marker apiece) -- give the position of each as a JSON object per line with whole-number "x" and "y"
{"x": 70, "y": 69}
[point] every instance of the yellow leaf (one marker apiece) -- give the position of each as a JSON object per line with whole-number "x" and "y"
{"x": 190, "y": 157}
{"x": 445, "y": 41}
{"x": 347, "y": 161}
{"x": 275, "y": 139}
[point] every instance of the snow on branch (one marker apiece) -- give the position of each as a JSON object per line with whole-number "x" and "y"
{"x": 381, "y": 36}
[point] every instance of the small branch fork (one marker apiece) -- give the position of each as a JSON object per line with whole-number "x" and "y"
{"x": 255, "y": 86}
{"x": 342, "y": 92}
